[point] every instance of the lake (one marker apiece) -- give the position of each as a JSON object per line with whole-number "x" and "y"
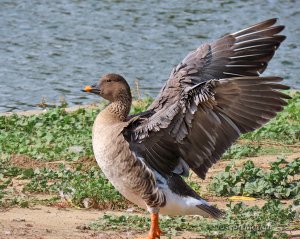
{"x": 51, "y": 49}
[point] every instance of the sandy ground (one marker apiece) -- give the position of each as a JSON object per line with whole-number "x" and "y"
{"x": 44, "y": 222}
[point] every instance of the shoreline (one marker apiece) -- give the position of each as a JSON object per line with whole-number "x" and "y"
{"x": 42, "y": 111}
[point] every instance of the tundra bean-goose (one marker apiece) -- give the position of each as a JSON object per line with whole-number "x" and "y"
{"x": 212, "y": 97}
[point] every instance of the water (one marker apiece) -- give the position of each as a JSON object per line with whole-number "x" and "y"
{"x": 52, "y": 49}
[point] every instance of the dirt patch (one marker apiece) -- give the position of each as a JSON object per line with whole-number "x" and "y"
{"x": 25, "y": 162}
{"x": 88, "y": 162}
{"x": 48, "y": 222}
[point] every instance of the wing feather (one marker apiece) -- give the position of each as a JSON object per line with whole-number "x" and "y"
{"x": 213, "y": 96}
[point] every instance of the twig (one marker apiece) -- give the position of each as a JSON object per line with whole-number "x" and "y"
{"x": 137, "y": 86}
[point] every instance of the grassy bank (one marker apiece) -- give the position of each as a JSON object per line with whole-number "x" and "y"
{"x": 58, "y": 135}
{"x": 47, "y": 158}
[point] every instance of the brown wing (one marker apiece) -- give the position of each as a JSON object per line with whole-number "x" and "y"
{"x": 211, "y": 97}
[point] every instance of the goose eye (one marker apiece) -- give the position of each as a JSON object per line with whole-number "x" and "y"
{"x": 108, "y": 80}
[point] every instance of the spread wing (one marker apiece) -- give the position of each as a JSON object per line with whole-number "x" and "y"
{"x": 213, "y": 96}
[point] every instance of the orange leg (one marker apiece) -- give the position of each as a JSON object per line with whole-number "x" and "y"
{"x": 154, "y": 232}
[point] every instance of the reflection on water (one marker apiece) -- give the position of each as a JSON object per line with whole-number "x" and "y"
{"x": 53, "y": 48}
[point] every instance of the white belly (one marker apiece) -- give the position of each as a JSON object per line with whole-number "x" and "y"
{"x": 178, "y": 205}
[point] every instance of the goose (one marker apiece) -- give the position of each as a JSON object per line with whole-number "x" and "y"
{"x": 212, "y": 97}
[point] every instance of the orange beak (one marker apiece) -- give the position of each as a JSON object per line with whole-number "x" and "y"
{"x": 88, "y": 88}
{"x": 92, "y": 89}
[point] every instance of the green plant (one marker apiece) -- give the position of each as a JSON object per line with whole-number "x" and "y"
{"x": 239, "y": 151}
{"x": 82, "y": 188}
{"x": 252, "y": 181}
{"x": 3, "y": 185}
{"x": 48, "y": 136}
